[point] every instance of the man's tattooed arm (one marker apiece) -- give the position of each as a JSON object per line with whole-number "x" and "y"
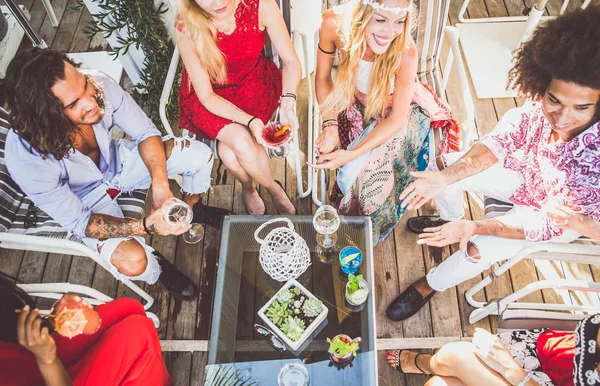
{"x": 102, "y": 226}
{"x": 493, "y": 227}
{"x": 476, "y": 160}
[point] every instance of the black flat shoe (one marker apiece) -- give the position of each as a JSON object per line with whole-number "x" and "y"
{"x": 174, "y": 280}
{"x": 407, "y": 304}
{"x": 209, "y": 215}
{"x": 419, "y": 223}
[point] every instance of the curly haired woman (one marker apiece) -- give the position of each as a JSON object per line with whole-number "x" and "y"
{"x": 229, "y": 89}
{"x": 370, "y": 112}
{"x": 541, "y": 156}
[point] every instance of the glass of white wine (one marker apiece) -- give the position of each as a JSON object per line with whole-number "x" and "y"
{"x": 326, "y": 222}
{"x": 176, "y": 211}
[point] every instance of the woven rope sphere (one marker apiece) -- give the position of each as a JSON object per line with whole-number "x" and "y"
{"x": 283, "y": 254}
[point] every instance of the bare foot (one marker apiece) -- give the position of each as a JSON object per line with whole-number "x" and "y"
{"x": 254, "y": 203}
{"x": 284, "y": 205}
{"x": 406, "y": 361}
{"x": 282, "y": 201}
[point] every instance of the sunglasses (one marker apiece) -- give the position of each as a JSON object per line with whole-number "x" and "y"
{"x": 31, "y": 217}
{"x": 271, "y": 337}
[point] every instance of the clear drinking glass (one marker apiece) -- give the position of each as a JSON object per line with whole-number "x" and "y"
{"x": 277, "y": 136}
{"x": 326, "y": 222}
{"x": 177, "y": 211}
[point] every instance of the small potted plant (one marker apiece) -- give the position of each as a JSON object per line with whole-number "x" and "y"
{"x": 357, "y": 292}
{"x": 342, "y": 348}
{"x": 293, "y": 314}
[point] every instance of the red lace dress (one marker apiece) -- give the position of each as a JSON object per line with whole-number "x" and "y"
{"x": 253, "y": 82}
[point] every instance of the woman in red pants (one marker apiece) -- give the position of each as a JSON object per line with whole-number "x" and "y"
{"x": 124, "y": 351}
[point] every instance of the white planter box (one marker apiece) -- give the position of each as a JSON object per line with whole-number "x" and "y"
{"x": 294, "y": 345}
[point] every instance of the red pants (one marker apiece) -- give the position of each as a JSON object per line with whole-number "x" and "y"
{"x": 124, "y": 351}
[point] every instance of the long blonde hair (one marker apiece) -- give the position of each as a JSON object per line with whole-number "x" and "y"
{"x": 201, "y": 30}
{"x": 352, "y": 36}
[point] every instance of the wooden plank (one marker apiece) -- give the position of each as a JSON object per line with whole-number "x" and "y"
{"x": 222, "y": 197}
{"x": 198, "y": 365}
{"x": 303, "y": 206}
{"x": 386, "y": 287}
{"x": 32, "y": 267}
{"x": 411, "y": 267}
{"x": 47, "y": 32}
{"x": 179, "y": 365}
{"x": 57, "y": 271}
{"x": 81, "y": 42}
{"x": 10, "y": 261}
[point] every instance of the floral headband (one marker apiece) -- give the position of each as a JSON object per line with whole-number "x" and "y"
{"x": 380, "y": 7}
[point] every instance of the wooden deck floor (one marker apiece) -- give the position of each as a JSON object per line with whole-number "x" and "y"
{"x": 398, "y": 260}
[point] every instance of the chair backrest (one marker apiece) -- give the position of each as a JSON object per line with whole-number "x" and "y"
{"x": 10, "y": 193}
{"x": 428, "y": 32}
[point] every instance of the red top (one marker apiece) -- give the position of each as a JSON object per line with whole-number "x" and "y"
{"x": 253, "y": 82}
{"x": 556, "y": 350}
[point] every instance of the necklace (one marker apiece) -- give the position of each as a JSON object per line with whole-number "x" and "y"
{"x": 226, "y": 27}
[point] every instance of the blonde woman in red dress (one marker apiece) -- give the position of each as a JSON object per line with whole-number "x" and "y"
{"x": 229, "y": 90}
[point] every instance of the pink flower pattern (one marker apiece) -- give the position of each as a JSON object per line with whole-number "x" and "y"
{"x": 558, "y": 173}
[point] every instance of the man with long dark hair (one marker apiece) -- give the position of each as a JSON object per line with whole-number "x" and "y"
{"x": 61, "y": 153}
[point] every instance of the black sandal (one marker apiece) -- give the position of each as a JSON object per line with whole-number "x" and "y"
{"x": 399, "y": 368}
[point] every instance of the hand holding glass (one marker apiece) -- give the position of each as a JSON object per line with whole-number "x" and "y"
{"x": 176, "y": 211}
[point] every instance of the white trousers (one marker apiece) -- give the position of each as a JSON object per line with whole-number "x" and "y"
{"x": 496, "y": 182}
{"x": 194, "y": 162}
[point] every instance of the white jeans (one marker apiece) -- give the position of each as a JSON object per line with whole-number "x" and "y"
{"x": 193, "y": 162}
{"x": 496, "y": 182}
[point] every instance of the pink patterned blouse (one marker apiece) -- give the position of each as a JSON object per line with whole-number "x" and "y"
{"x": 557, "y": 173}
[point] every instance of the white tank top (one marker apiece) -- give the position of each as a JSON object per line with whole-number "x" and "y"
{"x": 363, "y": 77}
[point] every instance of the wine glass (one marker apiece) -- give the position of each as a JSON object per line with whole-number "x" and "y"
{"x": 326, "y": 222}
{"x": 277, "y": 137}
{"x": 176, "y": 211}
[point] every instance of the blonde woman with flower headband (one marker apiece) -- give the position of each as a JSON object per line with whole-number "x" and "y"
{"x": 371, "y": 130}
{"x": 229, "y": 90}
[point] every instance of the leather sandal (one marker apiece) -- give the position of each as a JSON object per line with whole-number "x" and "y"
{"x": 398, "y": 367}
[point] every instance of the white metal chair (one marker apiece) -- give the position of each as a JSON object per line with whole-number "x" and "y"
{"x": 47, "y": 235}
{"x": 583, "y": 251}
{"x": 431, "y": 29}
{"x": 170, "y": 79}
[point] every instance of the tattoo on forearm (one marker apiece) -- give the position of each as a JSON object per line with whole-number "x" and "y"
{"x": 102, "y": 226}
{"x": 492, "y": 227}
{"x": 476, "y": 160}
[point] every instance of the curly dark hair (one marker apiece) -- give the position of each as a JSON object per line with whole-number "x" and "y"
{"x": 565, "y": 48}
{"x": 35, "y": 113}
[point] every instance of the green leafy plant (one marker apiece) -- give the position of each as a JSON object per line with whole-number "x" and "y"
{"x": 277, "y": 312}
{"x": 296, "y": 291}
{"x": 341, "y": 348}
{"x": 293, "y": 328}
{"x": 312, "y": 307}
{"x": 226, "y": 375}
{"x": 285, "y": 295}
{"x": 146, "y": 30}
{"x": 353, "y": 283}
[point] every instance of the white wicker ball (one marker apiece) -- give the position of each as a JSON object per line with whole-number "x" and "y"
{"x": 283, "y": 254}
